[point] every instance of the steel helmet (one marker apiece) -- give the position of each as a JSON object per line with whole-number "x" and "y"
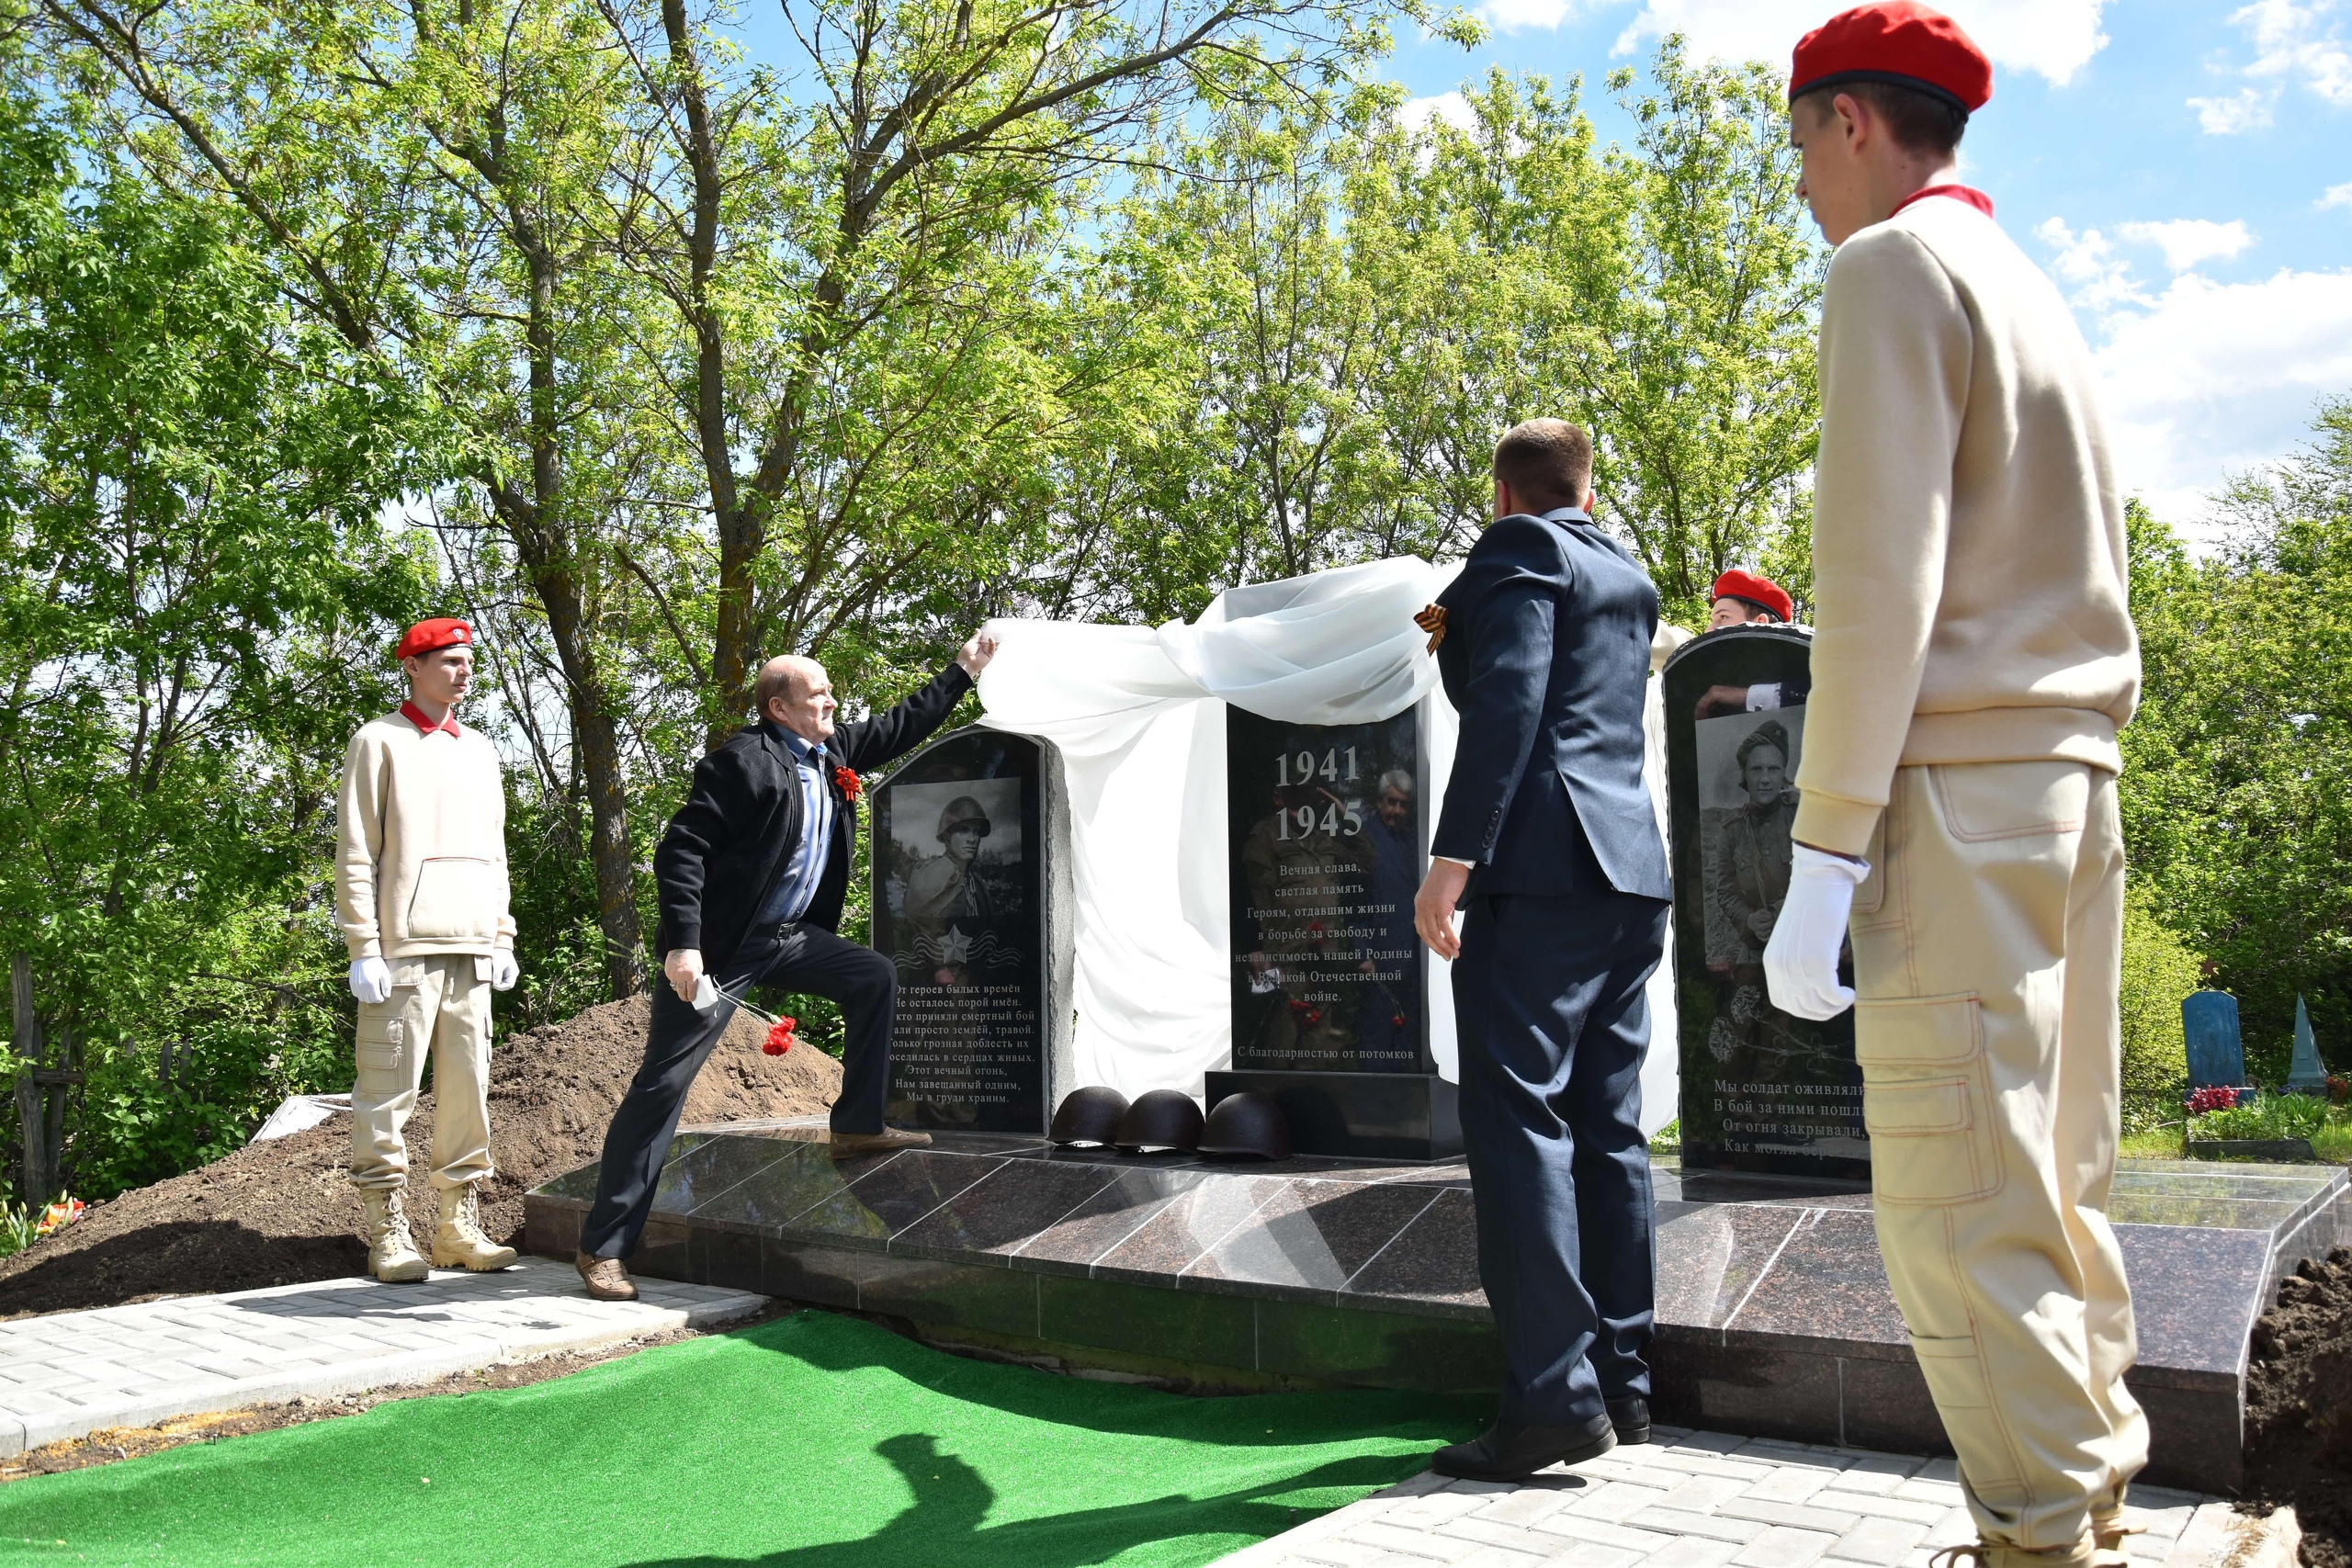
{"x": 1161, "y": 1119}
{"x": 963, "y": 812}
{"x": 1090, "y": 1116}
{"x": 1247, "y": 1125}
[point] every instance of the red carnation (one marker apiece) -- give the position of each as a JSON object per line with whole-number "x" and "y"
{"x": 847, "y": 779}
{"x": 1398, "y": 1020}
{"x": 1313, "y": 1016}
{"x": 779, "y": 1038}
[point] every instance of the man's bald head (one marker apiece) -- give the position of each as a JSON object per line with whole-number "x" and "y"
{"x": 794, "y": 691}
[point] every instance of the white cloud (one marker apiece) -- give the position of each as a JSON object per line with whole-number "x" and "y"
{"x": 2247, "y": 109}
{"x": 2053, "y": 39}
{"x": 2299, "y": 43}
{"x": 1512, "y": 16}
{"x": 2187, "y": 241}
{"x": 2334, "y": 195}
{"x": 2293, "y": 42}
{"x": 1451, "y": 108}
{"x": 2209, "y": 378}
{"x": 2100, "y": 279}
{"x": 2201, "y": 379}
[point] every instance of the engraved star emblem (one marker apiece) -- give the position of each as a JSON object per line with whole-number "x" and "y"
{"x": 956, "y": 947}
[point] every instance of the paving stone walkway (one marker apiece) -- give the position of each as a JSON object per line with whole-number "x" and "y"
{"x": 1700, "y": 1500}
{"x": 74, "y": 1372}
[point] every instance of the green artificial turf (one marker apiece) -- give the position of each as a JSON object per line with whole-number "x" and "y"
{"x": 813, "y": 1441}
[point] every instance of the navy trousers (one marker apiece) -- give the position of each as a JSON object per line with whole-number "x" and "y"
{"x": 1553, "y": 1021}
{"x": 798, "y": 957}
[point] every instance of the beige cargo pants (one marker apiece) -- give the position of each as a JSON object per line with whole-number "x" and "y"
{"x": 1987, "y": 953}
{"x": 440, "y": 1004}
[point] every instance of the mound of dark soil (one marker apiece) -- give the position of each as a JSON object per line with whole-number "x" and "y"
{"x": 2299, "y": 1407}
{"x": 279, "y": 1212}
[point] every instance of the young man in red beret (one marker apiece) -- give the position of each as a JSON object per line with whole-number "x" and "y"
{"x": 1741, "y": 599}
{"x": 1972, "y": 658}
{"x": 420, "y": 896}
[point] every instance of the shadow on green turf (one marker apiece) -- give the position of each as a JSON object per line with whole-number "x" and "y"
{"x": 946, "y": 1523}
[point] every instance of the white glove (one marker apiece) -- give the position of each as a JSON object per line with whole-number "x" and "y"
{"x": 1801, "y": 961}
{"x": 371, "y": 979}
{"x": 504, "y": 970}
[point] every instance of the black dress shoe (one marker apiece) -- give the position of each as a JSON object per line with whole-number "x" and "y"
{"x": 1510, "y": 1453}
{"x": 1630, "y": 1418}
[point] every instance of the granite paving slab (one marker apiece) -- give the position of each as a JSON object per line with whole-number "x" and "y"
{"x": 1700, "y": 1499}
{"x": 71, "y": 1373}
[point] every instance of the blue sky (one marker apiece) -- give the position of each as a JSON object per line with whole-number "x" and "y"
{"x": 2184, "y": 171}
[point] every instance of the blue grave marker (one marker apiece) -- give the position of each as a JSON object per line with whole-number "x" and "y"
{"x": 2304, "y": 1072}
{"x": 2216, "y": 1055}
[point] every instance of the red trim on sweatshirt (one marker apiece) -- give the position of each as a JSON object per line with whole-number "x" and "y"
{"x": 1969, "y": 193}
{"x": 424, "y": 725}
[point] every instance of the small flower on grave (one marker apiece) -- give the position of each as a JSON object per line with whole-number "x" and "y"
{"x": 1397, "y": 1022}
{"x": 779, "y": 1038}
{"x": 58, "y": 1215}
{"x": 1313, "y": 1016}
{"x": 2212, "y": 1097}
{"x": 849, "y": 782}
{"x": 1297, "y": 1006}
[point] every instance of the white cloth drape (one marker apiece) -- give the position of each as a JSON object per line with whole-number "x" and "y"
{"x": 1138, "y": 715}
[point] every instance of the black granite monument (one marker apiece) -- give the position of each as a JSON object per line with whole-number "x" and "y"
{"x": 1761, "y": 1091}
{"x": 971, "y": 902}
{"x": 1330, "y": 1011}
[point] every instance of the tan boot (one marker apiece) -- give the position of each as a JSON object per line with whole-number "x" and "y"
{"x": 607, "y": 1278}
{"x": 888, "y": 1141}
{"x": 457, "y": 1241}
{"x": 392, "y": 1255}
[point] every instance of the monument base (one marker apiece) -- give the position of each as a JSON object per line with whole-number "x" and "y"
{"x": 1773, "y": 1312}
{"x": 1358, "y": 1115}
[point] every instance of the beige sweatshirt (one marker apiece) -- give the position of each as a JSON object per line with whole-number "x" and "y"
{"x": 1968, "y": 557}
{"x": 421, "y": 844}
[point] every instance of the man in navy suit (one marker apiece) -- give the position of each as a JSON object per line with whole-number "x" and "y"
{"x": 1548, "y": 845}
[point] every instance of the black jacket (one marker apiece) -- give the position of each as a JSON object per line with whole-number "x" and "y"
{"x": 1545, "y": 657}
{"x": 732, "y": 840}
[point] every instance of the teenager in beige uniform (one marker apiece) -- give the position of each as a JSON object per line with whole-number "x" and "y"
{"x": 1971, "y": 663}
{"x": 420, "y": 896}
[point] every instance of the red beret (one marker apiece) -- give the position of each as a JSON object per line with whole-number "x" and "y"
{"x": 1900, "y": 42}
{"x": 1760, "y": 591}
{"x": 439, "y": 633}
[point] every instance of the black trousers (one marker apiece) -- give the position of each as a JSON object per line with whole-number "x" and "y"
{"x": 796, "y": 957}
{"x": 1553, "y": 1023}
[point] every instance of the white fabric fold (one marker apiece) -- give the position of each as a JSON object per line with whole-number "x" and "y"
{"x": 1138, "y": 717}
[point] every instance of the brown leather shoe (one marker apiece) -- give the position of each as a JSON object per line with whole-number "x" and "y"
{"x": 607, "y": 1278}
{"x": 888, "y": 1141}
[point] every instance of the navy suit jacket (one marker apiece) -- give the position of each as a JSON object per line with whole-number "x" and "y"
{"x": 1546, "y": 651}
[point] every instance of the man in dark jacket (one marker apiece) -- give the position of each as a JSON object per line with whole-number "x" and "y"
{"x": 1548, "y": 843}
{"x": 752, "y": 872}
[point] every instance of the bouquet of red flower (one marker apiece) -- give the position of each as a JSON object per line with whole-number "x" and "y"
{"x": 2212, "y": 1097}
{"x": 779, "y": 1038}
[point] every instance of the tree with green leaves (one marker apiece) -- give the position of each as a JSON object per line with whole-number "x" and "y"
{"x": 194, "y": 595}
{"x": 2237, "y": 783}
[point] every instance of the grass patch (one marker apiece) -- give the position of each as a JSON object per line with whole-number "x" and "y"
{"x": 813, "y": 1441}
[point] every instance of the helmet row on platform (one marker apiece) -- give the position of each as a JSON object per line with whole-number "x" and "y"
{"x": 1243, "y": 1126}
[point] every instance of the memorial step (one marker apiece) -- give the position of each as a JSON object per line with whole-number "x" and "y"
{"x": 1774, "y": 1316}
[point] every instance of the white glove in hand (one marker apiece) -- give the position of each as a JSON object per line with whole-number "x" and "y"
{"x": 1801, "y": 961}
{"x": 504, "y": 970}
{"x": 371, "y": 979}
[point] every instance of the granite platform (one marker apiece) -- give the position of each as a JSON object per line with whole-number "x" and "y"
{"x": 1774, "y": 1315}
